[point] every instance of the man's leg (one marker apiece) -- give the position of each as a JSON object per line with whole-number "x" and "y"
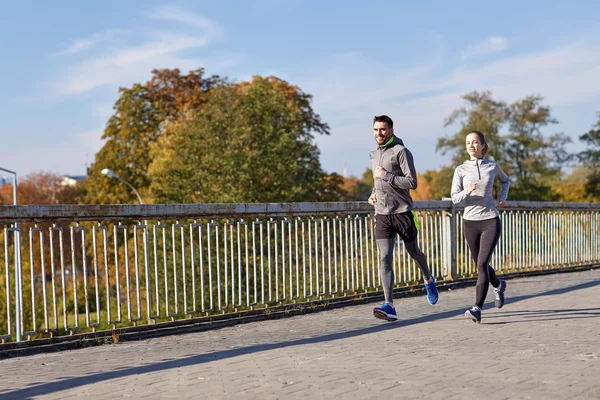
{"x": 421, "y": 259}
{"x": 385, "y": 238}
{"x": 386, "y": 271}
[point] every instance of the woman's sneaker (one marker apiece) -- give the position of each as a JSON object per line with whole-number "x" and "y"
{"x": 432, "y": 292}
{"x": 499, "y": 293}
{"x": 387, "y": 312}
{"x": 474, "y": 313}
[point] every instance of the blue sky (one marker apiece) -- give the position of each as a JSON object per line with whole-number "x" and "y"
{"x": 63, "y": 62}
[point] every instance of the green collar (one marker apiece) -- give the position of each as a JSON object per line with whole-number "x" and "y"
{"x": 388, "y": 142}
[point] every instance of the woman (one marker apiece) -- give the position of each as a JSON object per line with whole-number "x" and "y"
{"x": 472, "y": 183}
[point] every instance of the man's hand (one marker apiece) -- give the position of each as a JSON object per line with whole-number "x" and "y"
{"x": 379, "y": 170}
{"x": 470, "y": 188}
{"x": 372, "y": 199}
{"x": 501, "y": 203}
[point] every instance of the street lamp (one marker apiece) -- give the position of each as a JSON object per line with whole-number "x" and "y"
{"x": 112, "y": 174}
{"x": 17, "y": 245}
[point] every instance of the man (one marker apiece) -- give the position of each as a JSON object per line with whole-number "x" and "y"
{"x": 394, "y": 173}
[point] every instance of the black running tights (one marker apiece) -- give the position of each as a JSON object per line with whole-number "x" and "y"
{"x": 482, "y": 237}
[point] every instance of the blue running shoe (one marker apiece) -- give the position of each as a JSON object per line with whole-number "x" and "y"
{"x": 387, "y": 312}
{"x": 474, "y": 314}
{"x": 432, "y": 292}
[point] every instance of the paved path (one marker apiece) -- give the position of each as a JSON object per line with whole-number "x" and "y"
{"x": 544, "y": 344}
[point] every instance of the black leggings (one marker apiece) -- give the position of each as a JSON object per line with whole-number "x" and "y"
{"x": 482, "y": 237}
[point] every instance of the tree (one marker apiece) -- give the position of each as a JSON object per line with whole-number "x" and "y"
{"x": 591, "y": 159}
{"x": 531, "y": 159}
{"x": 142, "y": 113}
{"x": 573, "y": 186}
{"x": 37, "y": 188}
{"x": 481, "y": 112}
{"x": 250, "y": 142}
{"x": 356, "y": 189}
{"x": 423, "y": 190}
{"x": 440, "y": 182}
{"x": 41, "y": 188}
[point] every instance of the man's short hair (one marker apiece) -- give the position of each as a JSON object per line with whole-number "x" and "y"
{"x": 383, "y": 118}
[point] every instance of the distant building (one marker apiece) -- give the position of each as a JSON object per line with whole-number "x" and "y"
{"x": 71, "y": 180}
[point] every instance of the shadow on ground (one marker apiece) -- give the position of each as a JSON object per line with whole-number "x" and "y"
{"x": 73, "y": 382}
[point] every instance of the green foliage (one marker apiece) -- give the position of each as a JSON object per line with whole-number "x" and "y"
{"x": 142, "y": 114}
{"x": 482, "y": 113}
{"x": 439, "y": 181}
{"x": 250, "y": 142}
{"x": 572, "y": 187}
{"x": 368, "y": 183}
{"x": 532, "y": 160}
{"x": 591, "y": 159}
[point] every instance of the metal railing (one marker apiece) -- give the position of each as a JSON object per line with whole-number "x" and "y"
{"x": 82, "y": 268}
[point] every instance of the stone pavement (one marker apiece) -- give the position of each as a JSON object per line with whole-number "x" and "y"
{"x": 544, "y": 344}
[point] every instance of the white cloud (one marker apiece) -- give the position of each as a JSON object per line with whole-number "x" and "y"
{"x": 419, "y": 98}
{"x": 119, "y": 65}
{"x": 563, "y": 75}
{"x": 126, "y": 66}
{"x": 179, "y": 15}
{"x": 79, "y": 45}
{"x": 487, "y": 46}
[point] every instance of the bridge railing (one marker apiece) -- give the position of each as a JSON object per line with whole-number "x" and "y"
{"x": 78, "y": 268}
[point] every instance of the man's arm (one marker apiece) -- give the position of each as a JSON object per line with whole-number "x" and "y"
{"x": 407, "y": 165}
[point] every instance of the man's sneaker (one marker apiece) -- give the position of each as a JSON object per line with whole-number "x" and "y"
{"x": 432, "y": 292}
{"x": 499, "y": 293}
{"x": 387, "y": 312}
{"x": 474, "y": 313}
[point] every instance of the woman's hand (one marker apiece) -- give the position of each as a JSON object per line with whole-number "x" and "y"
{"x": 501, "y": 203}
{"x": 470, "y": 188}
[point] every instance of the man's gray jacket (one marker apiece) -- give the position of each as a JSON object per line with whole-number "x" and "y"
{"x": 392, "y": 189}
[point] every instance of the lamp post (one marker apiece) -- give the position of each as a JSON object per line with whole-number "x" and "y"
{"x": 17, "y": 245}
{"x": 111, "y": 174}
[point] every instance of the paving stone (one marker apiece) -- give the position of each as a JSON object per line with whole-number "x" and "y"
{"x": 544, "y": 343}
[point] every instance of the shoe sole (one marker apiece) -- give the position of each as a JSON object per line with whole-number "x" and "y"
{"x": 472, "y": 317}
{"x": 381, "y": 315}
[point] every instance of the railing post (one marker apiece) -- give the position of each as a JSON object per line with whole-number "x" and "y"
{"x": 450, "y": 244}
{"x": 453, "y": 246}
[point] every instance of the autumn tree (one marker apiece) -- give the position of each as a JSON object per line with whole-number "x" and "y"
{"x": 250, "y": 142}
{"x": 440, "y": 182}
{"x": 356, "y": 189}
{"x": 531, "y": 159}
{"x": 572, "y": 187}
{"x": 41, "y": 188}
{"x": 141, "y": 115}
{"x": 423, "y": 190}
{"x": 483, "y": 113}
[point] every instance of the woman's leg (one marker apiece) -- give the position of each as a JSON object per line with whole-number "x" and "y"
{"x": 490, "y": 233}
